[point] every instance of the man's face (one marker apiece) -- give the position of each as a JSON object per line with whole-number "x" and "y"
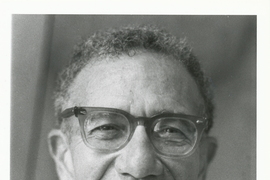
{"x": 143, "y": 85}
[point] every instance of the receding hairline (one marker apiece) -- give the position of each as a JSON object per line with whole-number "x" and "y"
{"x": 104, "y": 61}
{"x": 142, "y": 61}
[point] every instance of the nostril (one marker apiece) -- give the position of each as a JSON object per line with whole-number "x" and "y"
{"x": 129, "y": 176}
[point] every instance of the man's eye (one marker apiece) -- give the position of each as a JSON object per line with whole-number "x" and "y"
{"x": 106, "y": 128}
{"x": 171, "y": 130}
{"x": 171, "y": 136}
{"x": 171, "y": 133}
{"x": 105, "y": 132}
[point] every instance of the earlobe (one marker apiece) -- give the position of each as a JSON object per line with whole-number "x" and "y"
{"x": 212, "y": 148}
{"x": 208, "y": 150}
{"x": 59, "y": 150}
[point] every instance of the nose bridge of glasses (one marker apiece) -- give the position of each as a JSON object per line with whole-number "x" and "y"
{"x": 141, "y": 121}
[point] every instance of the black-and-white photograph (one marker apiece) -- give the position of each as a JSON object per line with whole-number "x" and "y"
{"x": 126, "y": 97}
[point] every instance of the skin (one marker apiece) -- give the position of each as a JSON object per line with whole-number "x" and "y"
{"x": 144, "y": 85}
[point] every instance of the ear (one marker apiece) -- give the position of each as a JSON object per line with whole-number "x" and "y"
{"x": 60, "y": 152}
{"x": 208, "y": 149}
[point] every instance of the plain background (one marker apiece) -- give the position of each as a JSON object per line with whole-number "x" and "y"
{"x": 42, "y": 46}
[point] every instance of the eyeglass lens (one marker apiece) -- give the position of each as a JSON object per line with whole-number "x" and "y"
{"x": 110, "y": 130}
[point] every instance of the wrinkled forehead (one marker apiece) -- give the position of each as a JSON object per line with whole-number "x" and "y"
{"x": 145, "y": 76}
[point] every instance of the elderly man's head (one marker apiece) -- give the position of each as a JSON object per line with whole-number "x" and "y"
{"x": 133, "y": 104}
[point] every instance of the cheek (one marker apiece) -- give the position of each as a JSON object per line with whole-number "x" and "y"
{"x": 183, "y": 168}
{"x": 88, "y": 164}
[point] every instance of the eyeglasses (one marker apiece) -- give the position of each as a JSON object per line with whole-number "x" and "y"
{"x": 109, "y": 129}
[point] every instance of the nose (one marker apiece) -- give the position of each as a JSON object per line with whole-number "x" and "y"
{"x": 138, "y": 158}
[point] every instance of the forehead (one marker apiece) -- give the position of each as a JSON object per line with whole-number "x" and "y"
{"x": 146, "y": 79}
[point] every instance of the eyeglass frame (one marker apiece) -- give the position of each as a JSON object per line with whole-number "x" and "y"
{"x": 201, "y": 124}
